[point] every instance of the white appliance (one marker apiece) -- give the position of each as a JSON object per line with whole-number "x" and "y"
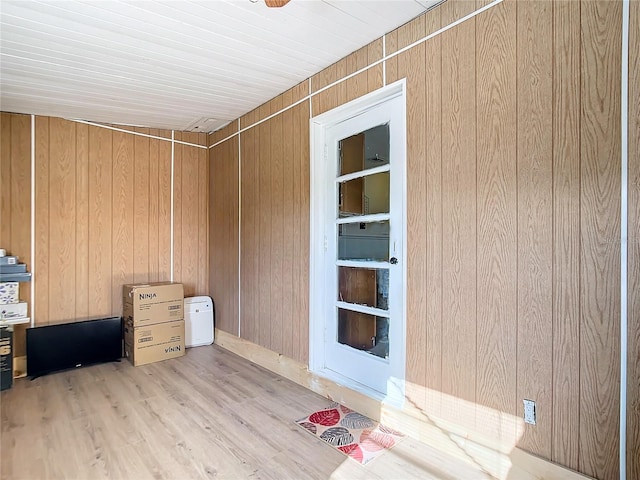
{"x": 198, "y": 321}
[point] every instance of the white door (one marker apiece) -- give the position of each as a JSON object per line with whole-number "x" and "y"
{"x": 362, "y": 224}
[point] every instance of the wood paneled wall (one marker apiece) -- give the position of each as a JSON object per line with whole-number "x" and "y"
{"x": 273, "y": 164}
{"x": 102, "y": 213}
{"x": 513, "y": 160}
{"x": 223, "y": 218}
{"x": 102, "y": 217}
{"x": 191, "y": 214}
{"x": 519, "y": 298}
{"x": 15, "y": 201}
{"x": 633, "y": 251}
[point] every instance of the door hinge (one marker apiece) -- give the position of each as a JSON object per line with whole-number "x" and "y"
{"x": 326, "y": 244}
{"x": 326, "y": 152}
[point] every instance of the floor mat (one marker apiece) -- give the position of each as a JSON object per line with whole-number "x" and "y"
{"x": 355, "y": 435}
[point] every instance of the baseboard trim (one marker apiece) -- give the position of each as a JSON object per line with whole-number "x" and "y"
{"x": 499, "y": 459}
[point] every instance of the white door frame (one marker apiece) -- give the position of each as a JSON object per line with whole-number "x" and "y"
{"x": 318, "y": 127}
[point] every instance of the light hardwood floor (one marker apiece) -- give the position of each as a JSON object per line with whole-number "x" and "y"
{"x": 209, "y": 414}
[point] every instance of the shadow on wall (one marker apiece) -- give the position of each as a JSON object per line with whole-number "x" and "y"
{"x": 474, "y": 434}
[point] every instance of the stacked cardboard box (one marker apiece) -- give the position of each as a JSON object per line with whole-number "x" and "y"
{"x": 153, "y": 315}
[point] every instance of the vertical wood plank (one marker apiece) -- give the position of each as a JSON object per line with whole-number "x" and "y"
{"x": 254, "y": 258}
{"x": 277, "y": 227}
{"x": 249, "y": 237}
{"x": 215, "y": 215}
{"x": 164, "y": 210}
{"x": 459, "y": 370}
{"x": 234, "y": 237}
{"x": 601, "y": 24}
{"x": 566, "y": 228}
{"x": 357, "y": 85}
{"x": 264, "y": 200}
{"x": 391, "y": 65}
{"x": 100, "y": 221}
{"x": 334, "y": 96}
{"x": 202, "y": 287}
{"x": 189, "y": 217}
{"x": 177, "y": 208}
{"x": 288, "y": 250}
{"x": 433, "y": 212}
{"x": 496, "y": 223}
{"x": 5, "y": 179}
{"x": 62, "y": 219}
{"x": 20, "y": 238}
{"x": 41, "y": 280}
{"x": 298, "y": 315}
{"x": 141, "y": 207}
{"x": 154, "y": 207}
{"x": 535, "y": 214}
{"x": 81, "y": 252}
{"x": 633, "y": 260}
{"x": 374, "y": 74}
{"x": 123, "y": 217}
{"x": 224, "y": 234}
{"x": 412, "y": 66}
{"x": 213, "y": 230}
{"x": 304, "y": 229}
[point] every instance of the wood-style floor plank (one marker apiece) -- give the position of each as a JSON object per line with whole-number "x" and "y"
{"x": 209, "y": 414}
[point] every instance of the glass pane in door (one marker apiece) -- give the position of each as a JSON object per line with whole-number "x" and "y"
{"x": 369, "y": 149}
{"x": 364, "y": 241}
{"x": 364, "y": 195}
{"x": 364, "y": 286}
{"x": 364, "y": 332}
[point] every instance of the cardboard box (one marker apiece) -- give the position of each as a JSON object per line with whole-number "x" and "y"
{"x": 153, "y": 343}
{"x": 6, "y": 357}
{"x": 151, "y": 303}
{"x": 9, "y": 293}
{"x": 12, "y": 311}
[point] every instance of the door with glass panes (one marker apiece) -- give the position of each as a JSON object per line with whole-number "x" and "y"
{"x": 364, "y": 271}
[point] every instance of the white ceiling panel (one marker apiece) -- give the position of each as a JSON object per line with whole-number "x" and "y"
{"x": 183, "y": 65}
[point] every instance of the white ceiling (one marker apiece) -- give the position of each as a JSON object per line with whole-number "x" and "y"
{"x": 175, "y": 64}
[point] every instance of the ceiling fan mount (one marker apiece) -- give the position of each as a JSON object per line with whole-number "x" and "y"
{"x": 275, "y": 3}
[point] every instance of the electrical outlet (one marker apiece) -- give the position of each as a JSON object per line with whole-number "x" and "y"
{"x": 529, "y": 411}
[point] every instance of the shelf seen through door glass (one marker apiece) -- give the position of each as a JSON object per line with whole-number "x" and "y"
{"x": 364, "y": 241}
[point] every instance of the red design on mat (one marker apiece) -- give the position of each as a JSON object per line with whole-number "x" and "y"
{"x": 325, "y": 417}
{"x": 373, "y": 441}
{"x": 345, "y": 409}
{"x": 353, "y": 451}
